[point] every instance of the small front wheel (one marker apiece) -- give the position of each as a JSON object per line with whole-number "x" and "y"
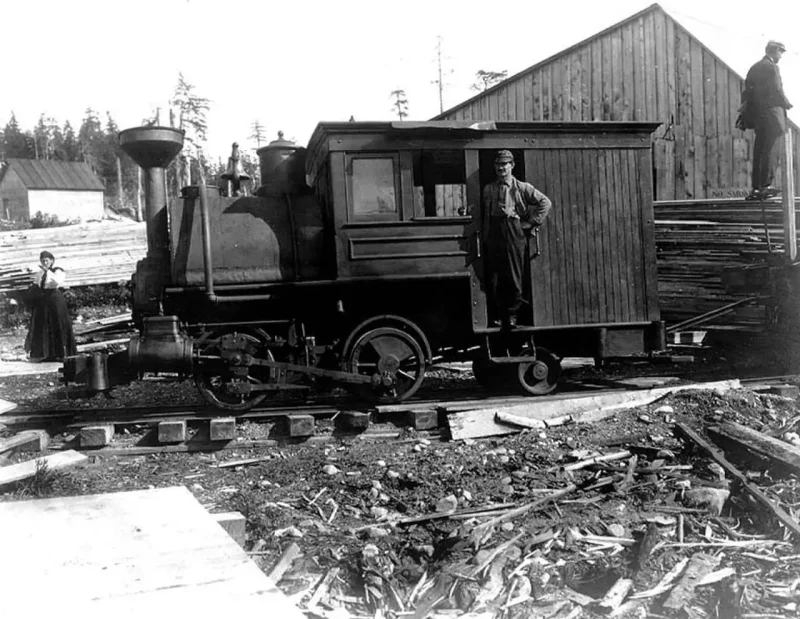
{"x": 539, "y": 377}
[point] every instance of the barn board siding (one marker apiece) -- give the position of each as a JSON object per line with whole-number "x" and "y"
{"x": 627, "y": 112}
{"x": 647, "y": 67}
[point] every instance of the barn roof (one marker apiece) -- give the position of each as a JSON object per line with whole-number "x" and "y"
{"x": 46, "y": 174}
{"x": 569, "y": 50}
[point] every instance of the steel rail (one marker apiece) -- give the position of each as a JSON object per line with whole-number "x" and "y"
{"x": 321, "y": 407}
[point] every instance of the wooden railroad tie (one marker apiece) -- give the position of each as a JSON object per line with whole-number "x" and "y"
{"x": 96, "y": 436}
{"x": 222, "y": 429}
{"x": 300, "y": 425}
{"x": 173, "y": 431}
{"x": 352, "y": 420}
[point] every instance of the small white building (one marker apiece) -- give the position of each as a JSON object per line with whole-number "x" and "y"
{"x": 68, "y": 190}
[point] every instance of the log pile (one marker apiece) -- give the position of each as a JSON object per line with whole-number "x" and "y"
{"x": 697, "y": 240}
{"x": 92, "y": 253}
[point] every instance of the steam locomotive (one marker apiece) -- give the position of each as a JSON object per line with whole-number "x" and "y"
{"x": 358, "y": 261}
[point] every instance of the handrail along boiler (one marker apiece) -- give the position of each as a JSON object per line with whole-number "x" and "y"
{"x": 358, "y": 260}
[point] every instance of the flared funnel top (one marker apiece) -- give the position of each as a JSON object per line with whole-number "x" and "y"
{"x": 151, "y": 147}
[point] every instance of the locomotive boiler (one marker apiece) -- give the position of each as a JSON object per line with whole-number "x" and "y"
{"x": 358, "y": 260}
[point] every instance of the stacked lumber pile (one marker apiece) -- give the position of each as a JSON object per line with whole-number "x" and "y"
{"x": 91, "y": 253}
{"x": 697, "y": 240}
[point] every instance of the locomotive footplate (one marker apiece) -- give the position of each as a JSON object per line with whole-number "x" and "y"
{"x": 522, "y": 359}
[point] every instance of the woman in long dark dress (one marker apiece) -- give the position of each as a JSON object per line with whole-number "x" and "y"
{"x": 50, "y": 336}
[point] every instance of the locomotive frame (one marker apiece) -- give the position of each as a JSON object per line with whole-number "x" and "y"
{"x": 390, "y": 215}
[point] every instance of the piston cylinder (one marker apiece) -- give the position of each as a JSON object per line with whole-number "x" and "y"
{"x": 161, "y": 347}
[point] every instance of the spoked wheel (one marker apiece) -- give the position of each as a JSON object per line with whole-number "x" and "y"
{"x": 393, "y": 358}
{"x": 540, "y": 377}
{"x": 220, "y": 380}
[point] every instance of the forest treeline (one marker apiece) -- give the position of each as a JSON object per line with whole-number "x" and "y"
{"x": 95, "y": 142}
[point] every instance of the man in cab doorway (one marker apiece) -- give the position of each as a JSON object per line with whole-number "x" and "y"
{"x": 512, "y": 209}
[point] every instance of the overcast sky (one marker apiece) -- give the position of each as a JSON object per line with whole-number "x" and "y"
{"x": 290, "y": 64}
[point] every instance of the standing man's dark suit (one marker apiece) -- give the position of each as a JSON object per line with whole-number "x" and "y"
{"x": 511, "y": 211}
{"x": 766, "y": 107}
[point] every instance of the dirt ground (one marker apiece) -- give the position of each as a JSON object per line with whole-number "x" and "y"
{"x": 349, "y": 504}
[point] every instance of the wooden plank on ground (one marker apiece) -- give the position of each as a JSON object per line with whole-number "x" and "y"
{"x": 130, "y": 555}
{"x": 29, "y": 440}
{"x": 789, "y": 522}
{"x": 700, "y": 565}
{"x": 482, "y": 422}
{"x": 284, "y": 563}
{"x": 785, "y": 453}
{"x": 24, "y": 470}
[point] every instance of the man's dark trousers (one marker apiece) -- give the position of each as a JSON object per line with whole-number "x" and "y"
{"x": 507, "y": 244}
{"x": 769, "y": 128}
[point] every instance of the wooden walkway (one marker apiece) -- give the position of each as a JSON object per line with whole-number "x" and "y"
{"x": 143, "y": 554}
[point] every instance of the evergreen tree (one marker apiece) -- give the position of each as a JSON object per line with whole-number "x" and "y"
{"x": 16, "y": 143}
{"x": 70, "y": 149}
{"x": 258, "y": 133}
{"x": 190, "y": 109}
{"x": 91, "y": 139}
{"x": 45, "y": 137}
{"x": 487, "y": 79}
{"x": 400, "y": 105}
{"x": 109, "y": 167}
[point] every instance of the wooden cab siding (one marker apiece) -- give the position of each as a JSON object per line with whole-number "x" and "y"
{"x": 597, "y": 262}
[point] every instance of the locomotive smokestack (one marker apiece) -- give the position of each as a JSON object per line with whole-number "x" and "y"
{"x": 153, "y": 148}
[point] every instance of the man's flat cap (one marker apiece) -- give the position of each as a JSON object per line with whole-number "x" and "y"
{"x": 776, "y": 46}
{"x": 502, "y": 156}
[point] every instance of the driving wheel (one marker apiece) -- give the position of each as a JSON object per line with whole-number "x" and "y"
{"x": 223, "y": 377}
{"x": 393, "y": 358}
{"x": 539, "y": 377}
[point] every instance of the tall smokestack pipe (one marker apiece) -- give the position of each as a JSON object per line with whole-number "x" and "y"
{"x": 153, "y": 148}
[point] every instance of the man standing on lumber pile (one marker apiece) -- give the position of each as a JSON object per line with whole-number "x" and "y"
{"x": 764, "y": 109}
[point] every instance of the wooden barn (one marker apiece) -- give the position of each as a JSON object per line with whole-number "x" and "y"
{"x": 645, "y": 68}
{"x": 67, "y": 190}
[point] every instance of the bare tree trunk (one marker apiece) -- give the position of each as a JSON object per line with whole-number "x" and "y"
{"x": 119, "y": 182}
{"x": 187, "y": 171}
{"x": 139, "y": 193}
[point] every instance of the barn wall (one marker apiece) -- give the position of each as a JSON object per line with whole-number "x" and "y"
{"x": 648, "y": 68}
{"x": 67, "y": 205}
{"x": 13, "y": 197}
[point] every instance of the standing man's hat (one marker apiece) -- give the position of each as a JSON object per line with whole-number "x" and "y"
{"x": 774, "y": 45}
{"x": 503, "y": 156}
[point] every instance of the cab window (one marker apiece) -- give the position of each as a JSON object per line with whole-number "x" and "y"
{"x": 440, "y": 188}
{"x": 373, "y": 187}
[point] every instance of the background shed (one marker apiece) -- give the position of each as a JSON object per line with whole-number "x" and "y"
{"x": 650, "y": 68}
{"x": 67, "y": 190}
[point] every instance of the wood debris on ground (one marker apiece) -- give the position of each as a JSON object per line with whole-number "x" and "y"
{"x": 684, "y": 508}
{"x": 629, "y": 529}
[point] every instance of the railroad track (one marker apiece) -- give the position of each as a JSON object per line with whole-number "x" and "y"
{"x": 453, "y": 400}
